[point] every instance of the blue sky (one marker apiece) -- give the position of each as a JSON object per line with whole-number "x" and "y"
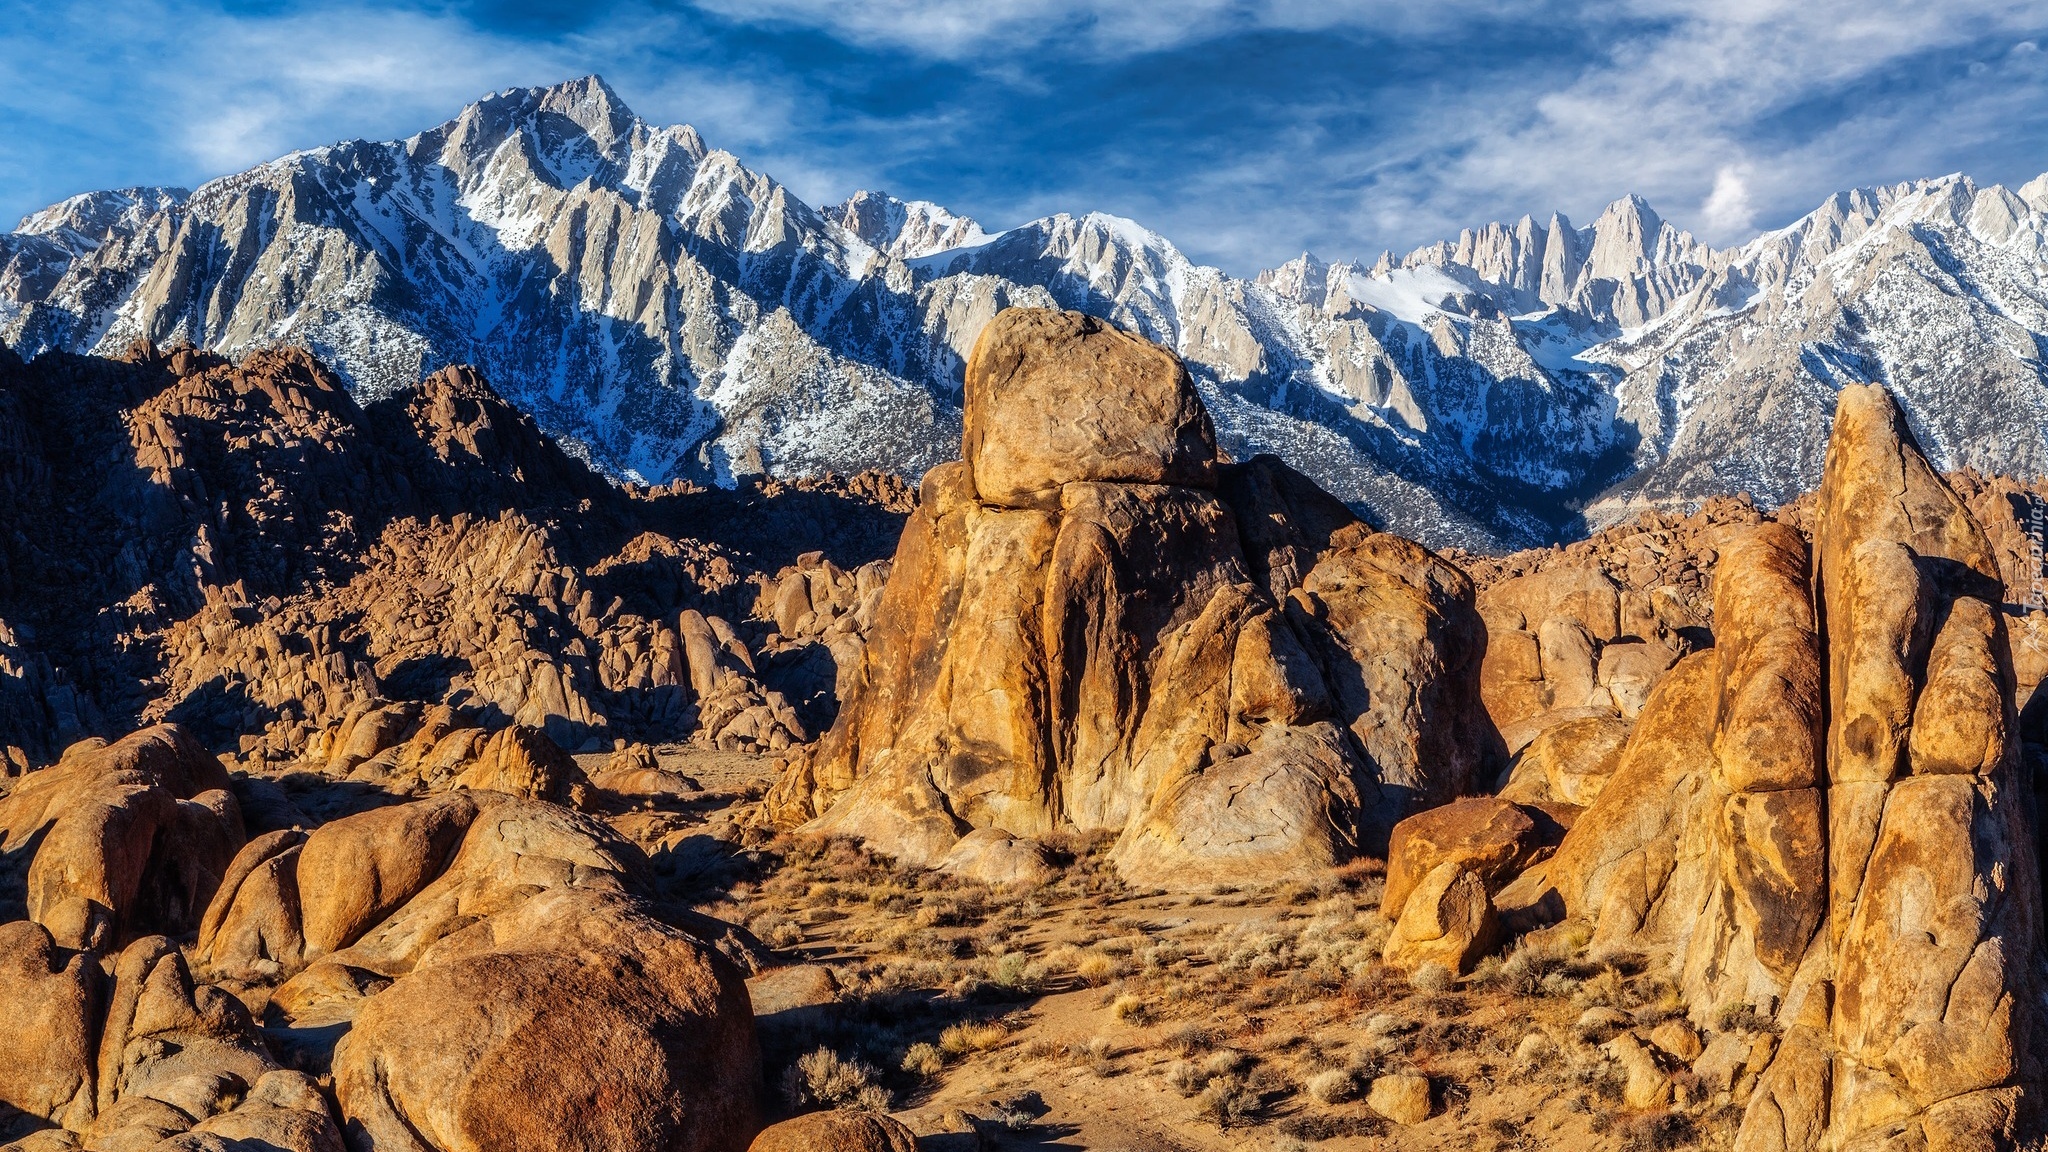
{"x": 1244, "y": 130}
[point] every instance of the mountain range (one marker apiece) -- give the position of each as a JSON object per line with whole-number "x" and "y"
{"x": 666, "y": 312}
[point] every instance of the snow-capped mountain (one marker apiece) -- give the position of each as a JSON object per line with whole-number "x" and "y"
{"x": 666, "y": 311}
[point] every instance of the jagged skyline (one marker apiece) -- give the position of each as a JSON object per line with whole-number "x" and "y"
{"x": 1249, "y": 132}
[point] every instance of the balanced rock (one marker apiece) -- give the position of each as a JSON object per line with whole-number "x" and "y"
{"x": 1079, "y": 631}
{"x": 1053, "y": 398}
{"x": 1490, "y": 837}
{"x": 1447, "y": 919}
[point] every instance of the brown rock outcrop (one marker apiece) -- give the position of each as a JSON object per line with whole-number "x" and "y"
{"x": 1569, "y": 762}
{"x": 1487, "y": 836}
{"x": 1822, "y": 813}
{"x": 1093, "y": 643}
{"x": 1448, "y": 918}
{"x": 120, "y": 838}
{"x": 47, "y": 1056}
{"x": 432, "y": 548}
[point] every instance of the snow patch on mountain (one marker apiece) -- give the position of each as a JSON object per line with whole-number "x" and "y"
{"x": 669, "y": 312}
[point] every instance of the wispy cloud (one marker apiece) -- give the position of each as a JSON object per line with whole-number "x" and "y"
{"x": 1246, "y": 130}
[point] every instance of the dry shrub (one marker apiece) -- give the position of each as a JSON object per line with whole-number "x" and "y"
{"x": 1185, "y": 1078}
{"x": 1132, "y": 1009}
{"x": 824, "y": 1078}
{"x": 925, "y": 1060}
{"x": 1189, "y": 1039}
{"x": 1658, "y": 1132}
{"x": 1098, "y": 968}
{"x": 1431, "y": 976}
{"x": 1228, "y": 1102}
{"x": 1097, "y": 1055}
{"x": 1225, "y": 1062}
{"x": 1334, "y": 1086}
{"x": 1320, "y": 1126}
{"x": 973, "y": 1036}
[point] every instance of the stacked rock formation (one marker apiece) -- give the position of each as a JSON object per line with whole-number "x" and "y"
{"x": 1092, "y": 622}
{"x": 1822, "y": 817}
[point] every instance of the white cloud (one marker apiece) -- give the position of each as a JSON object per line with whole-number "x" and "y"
{"x": 983, "y": 31}
{"x": 1724, "y": 115}
{"x": 1727, "y": 210}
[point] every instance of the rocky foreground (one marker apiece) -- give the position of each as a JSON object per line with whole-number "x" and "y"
{"x": 380, "y": 779}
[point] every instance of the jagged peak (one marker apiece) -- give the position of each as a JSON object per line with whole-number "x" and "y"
{"x": 87, "y": 211}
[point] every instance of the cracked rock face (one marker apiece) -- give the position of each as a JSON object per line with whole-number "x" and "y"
{"x": 1113, "y": 631}
{"x": 1823, "y": 815}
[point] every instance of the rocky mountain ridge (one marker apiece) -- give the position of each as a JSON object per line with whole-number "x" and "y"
{"x": 668, "y": 312}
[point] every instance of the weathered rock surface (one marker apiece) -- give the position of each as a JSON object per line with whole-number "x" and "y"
{"x": 1568, "y": 762}
{"x": 993, "y": 856}
{"x": 1487, "y": 836}
{"x": 840, "y": 1131}
{"x": 1448, "y": 919}
{"x": 1054, "y": 398}
{"x": 432, "y": 548}
{"x": 1096, "y": 644}
{"x": 571, "y": 1020}
{"x": 1402, "y": 1097}
{"x": 118, "y": 838}
{"x": 1823, "y": 816}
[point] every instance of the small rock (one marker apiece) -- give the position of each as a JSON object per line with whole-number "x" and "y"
{"x": 1535, "y": 1050}
{"x": 838, "y": 1131}
{"x": 1402, "y": 1097}
{"x": 1677, "y": 1038}
{"x": 797, "y": 986}
{"x": 1649, "y": 1086}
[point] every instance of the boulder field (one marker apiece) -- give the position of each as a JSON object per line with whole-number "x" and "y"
{"x": 475, "y": 970}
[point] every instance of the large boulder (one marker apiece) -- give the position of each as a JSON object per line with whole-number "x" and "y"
{"x": 1569, "y": 762}
{"x": 1056, "y": 397}
{"x": 1487, "y": 836}
{"x": 1934, "y": 903}
{"x": 522, "y": 761}
{"x": 572, "y": 1020}
{"x": 164, "y": 1030}
{"x": 1447, "y": 919}
{"x": 118, "y": 839}
{"x": 512, "y": 851}
{"x": 1071, "y": 638}
{"x": 355, "y": 871}
{"x": 47, "y": 1055}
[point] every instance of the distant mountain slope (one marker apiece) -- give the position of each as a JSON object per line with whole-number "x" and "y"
{"x": 666, "y": 312}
